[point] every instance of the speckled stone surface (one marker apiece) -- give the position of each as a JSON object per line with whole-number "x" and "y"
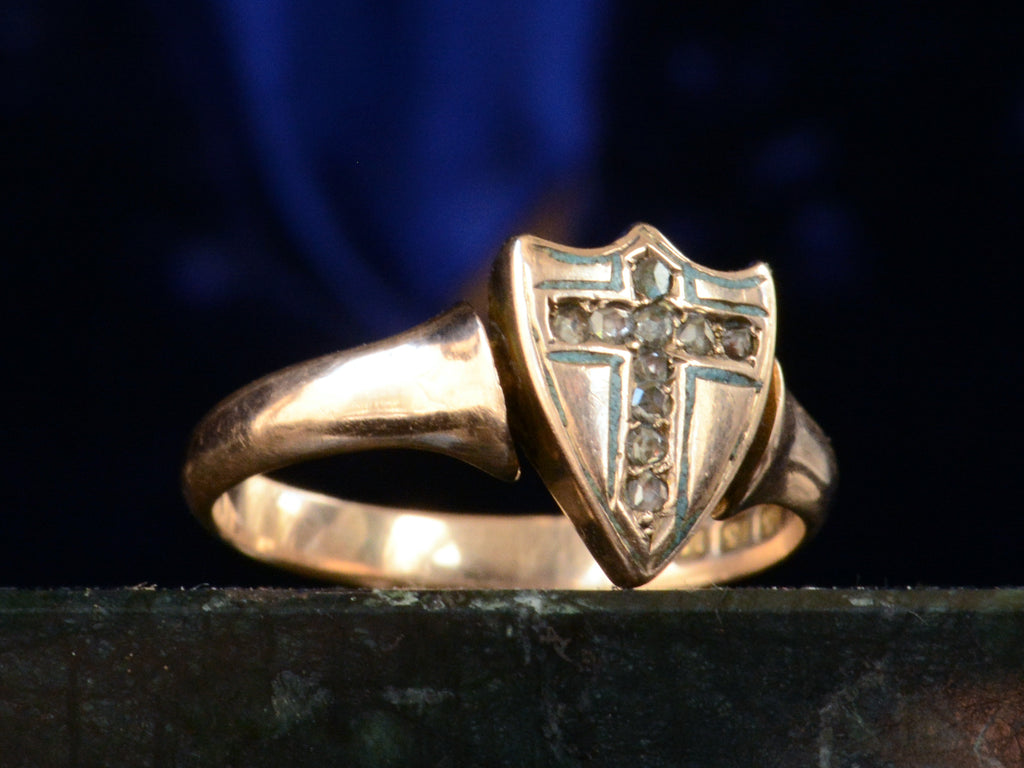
{"x": 357, "y": 678}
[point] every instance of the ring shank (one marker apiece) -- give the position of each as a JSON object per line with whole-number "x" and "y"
{"x": 436, "y": 388}
{"x": 379, "y": 546}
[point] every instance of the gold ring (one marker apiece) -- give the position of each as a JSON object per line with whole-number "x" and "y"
{"x": 642, "y": 386}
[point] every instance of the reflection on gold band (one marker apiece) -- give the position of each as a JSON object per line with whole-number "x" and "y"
{"x": 379, "y": 546}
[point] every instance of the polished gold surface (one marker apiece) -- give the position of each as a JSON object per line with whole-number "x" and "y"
{"x": 576, "y": 395}
{"x": 744, "y": 474}
{"x": 433, "y": 388}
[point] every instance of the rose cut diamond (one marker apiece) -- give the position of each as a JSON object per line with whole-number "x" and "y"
{"x": 645, "y": 445}
{"x": 653, "y": 324}
{"x": 695, "y": 336}
{"x": 569, "y": 323}
{"x": 651, "y": 365}
{"x": 649, "y": 403}
{"x": 652, "y": 277}
{"x": 612, "y": 324}
{"x": 646, "y": 492}
{"x": 738, "y": 342}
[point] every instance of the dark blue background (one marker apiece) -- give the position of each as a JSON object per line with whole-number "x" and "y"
{"x": 198, "y": 193}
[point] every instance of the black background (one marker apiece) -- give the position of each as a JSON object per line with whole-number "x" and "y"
{"x": 872, "y": 154}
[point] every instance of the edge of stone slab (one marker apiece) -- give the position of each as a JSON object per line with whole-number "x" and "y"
{"x": 149, "y": 599}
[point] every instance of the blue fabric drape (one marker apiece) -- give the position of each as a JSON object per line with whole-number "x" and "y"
{"x": 400, "y": 143}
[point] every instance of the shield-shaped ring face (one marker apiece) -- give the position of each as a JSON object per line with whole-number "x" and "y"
{"x": 639, "y": 380}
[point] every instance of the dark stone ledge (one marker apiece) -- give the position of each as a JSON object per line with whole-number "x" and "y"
{"x": 731, "y": 677}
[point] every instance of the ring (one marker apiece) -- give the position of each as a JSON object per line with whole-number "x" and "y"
{"x": 642, "y": 386}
